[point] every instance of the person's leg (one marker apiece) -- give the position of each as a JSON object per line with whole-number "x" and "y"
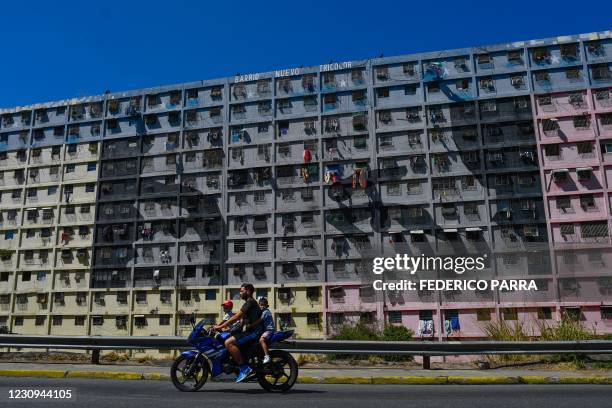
{"x": 232, "y": 348}
{"x": 263, "y": 341}
{"x": 264, "y": 345}
{"x": 241, "y": 338}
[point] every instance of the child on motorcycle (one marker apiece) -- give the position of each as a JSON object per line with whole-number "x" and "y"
{"x": 227, "y": 307}
{"x": 268, "y": 327}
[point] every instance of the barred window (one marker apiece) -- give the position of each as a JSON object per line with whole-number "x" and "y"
{"x": 394, "y": 189}
{"x": 239, "y": 246}
{"x": 262, "y": 245}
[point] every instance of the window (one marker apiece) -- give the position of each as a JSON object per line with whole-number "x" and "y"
{"x": 553, "y": 150}
{"x": 544, "y": 313}
{"x": 382, "y": 93}
{"x": 606, "y": 120}
{"x": 122, "y": 298}
{"x": 569, "y": 51}
{"x": 489, "y": 106}
{"x": 581, "y": 122}
{"x": 239, "y": 246}
{"x": 408, "y": 69}
{"x": 483, "y": 59}
{"x": 141, "y": 297}
{"x": 517, "y": 81}
{"x": 584, "y": 148}
{"x": 164, "y": 320}
{"x": 313, "y": 319}
{"x": 573, "y": 73}
{"x": 486, "y": 83}
{"x": 410, "y": 89}
{"x": 463, "y": 85}
{"x": 40, "y": 320}
{"x": 56, "y": 320}
{"x": 360, "y": 142}
{"x": 567, "y": 229}
{"x": 563, "y": 203}
{"x": 541, "y": 55}
{"x": 185, "y": 296}
{"x": 542, "y": 76}
{"x": 287, "y": 243}
{"x": 483, "y": 315}
{"x": 382, "y": 73}
{"x": 307, "y": 194}
{"x": 510, "y": 314}
{"x": 210, "y": 294}
{"x": 262, "y": 245}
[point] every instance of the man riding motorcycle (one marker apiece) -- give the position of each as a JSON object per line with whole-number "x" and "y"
{"x": 250, "y": 313}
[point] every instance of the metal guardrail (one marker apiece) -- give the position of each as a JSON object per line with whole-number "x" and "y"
{"x": 425, "y": 349}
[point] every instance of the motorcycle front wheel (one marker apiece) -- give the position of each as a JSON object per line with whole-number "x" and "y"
{"x": 280, "y": 374}
{"x": 181, "y": 378}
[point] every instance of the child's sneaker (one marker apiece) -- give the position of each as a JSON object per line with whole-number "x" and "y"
{"x": 267, "y": 359}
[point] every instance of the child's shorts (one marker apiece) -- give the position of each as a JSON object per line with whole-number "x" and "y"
{"x": 267, "y": 335}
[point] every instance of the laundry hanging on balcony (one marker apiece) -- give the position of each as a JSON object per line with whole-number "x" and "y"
{"x": 332, "y": 174}
{"x": 360, "y": 176}
{"x": 504, "y": 210}
{"x": 337, "y": 247}
{"x": 237, "y": 135}
{"x": 147, "y": 232}
{"x": 435, "y": 70}
{"x": 307, "y": 156}
{"x": 452, "y": 325}
{"x": 304, "y": 173}
{"x": 426, "y": 328}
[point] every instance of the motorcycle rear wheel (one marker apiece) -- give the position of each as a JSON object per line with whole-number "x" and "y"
{"x": 280, "y": 374}
{"x": 188, "y": 383}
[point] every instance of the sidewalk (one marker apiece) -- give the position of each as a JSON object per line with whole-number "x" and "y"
{"x": 324, "y": 375}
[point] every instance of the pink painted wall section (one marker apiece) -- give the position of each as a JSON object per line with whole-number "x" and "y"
{"x": 578, "y": 210}
{"x": 588, "y": 262}
{"x": 347, "y": 298}
{"x": 563, "y": 104}
{"x": 570, "y": 154}
{"x": 573, "y": 184}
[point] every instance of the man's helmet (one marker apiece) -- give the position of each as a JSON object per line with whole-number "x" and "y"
{"x": 228, "y": 304}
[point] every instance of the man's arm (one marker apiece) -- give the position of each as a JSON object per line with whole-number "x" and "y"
{"x": 229, "y": 321}
{"x": 254, "y": 324}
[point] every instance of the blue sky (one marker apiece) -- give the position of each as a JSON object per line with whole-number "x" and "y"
{"x": 58, "y": 50}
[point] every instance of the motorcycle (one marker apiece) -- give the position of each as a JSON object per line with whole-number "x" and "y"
{"x": 191, "y": 369}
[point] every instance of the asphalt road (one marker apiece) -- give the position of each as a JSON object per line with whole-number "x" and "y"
{"x": 119, "y": 394}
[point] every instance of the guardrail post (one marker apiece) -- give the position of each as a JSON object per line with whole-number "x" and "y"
{"x": 426, "y": 363}
{"x": 95, "y": 356}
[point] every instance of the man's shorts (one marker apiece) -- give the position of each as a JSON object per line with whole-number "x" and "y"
{"x": 245, "y": 337}
{"x": 267, "y": 335}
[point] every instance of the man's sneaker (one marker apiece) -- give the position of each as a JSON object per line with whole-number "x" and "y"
{"x": 244, "y": 373}
{"x": 267, "y": 359}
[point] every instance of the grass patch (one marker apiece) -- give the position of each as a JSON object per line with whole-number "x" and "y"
{"x": 366, "y": 332}
{"x": 568, "y": 329}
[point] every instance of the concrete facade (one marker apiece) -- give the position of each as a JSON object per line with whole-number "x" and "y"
{"x": 123, "y": 213}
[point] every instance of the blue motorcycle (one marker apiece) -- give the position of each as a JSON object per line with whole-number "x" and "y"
{"x": 191, "y": 369}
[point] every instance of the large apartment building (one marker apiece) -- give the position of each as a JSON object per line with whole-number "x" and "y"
{"x": 123, "y": 213}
